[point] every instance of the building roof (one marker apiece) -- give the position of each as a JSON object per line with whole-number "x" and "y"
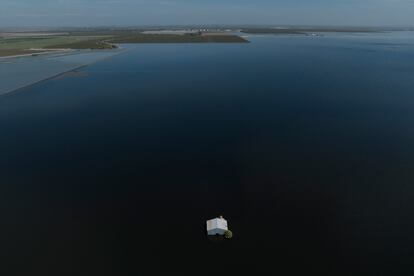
{"x": 220, "y": 223}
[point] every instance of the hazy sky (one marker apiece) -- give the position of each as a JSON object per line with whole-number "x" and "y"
{"x": 159, "y": 12}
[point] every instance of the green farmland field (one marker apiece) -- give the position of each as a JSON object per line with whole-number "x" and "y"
{"x": 43, "y": 42}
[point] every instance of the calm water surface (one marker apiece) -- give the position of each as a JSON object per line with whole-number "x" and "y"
{"x": 305, "y": 145}
{"x": 19, "y": 72}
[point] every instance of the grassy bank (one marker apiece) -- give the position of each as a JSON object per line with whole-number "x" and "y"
{"x": 25, "y": 43}
{"x": 32, "y": 45}
{"x": 16, "y": 52}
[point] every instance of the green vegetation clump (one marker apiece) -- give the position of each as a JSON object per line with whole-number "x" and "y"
{"x": 228, "y": 234}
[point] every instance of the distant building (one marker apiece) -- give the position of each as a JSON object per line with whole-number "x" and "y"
{"x": 217, "y": 226}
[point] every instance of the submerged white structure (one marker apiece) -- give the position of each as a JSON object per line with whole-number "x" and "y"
{"x": 217, "y": 226}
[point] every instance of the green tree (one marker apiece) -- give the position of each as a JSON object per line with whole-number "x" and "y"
{"x": 228, "y": 234}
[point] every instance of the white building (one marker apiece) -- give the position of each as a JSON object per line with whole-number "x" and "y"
{"x": 217, "y": 226}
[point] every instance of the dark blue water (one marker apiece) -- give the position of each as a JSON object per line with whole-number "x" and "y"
{"x": 305, "y": 145}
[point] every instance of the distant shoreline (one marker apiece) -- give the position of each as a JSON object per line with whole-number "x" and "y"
{"x": 304, "y": 31}
{"x": 29, "y": 44}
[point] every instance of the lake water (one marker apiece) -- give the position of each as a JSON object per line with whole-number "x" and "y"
{"x": 305, "y": 145}
{"x": 20, "y": 72}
